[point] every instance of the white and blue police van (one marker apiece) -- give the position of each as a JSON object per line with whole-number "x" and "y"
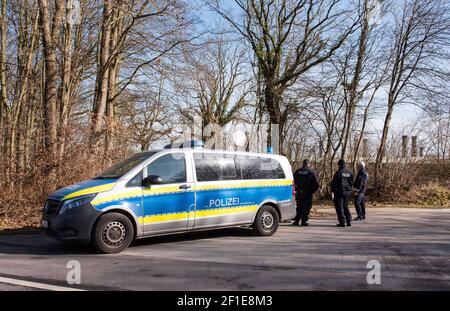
{"x": 173, "y": 190}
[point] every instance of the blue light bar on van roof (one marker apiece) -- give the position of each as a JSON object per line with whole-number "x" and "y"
{"x": 186, "y": 144}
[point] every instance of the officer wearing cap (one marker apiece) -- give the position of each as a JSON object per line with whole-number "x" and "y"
{"x": 341, "y": 186}
{"x": 306, "y": 183}
{"x": 360, "y": 186}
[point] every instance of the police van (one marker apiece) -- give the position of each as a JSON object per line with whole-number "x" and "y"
{"x": 170, "y": 191}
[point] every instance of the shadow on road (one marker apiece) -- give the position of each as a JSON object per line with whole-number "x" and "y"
{"x": 195, "y": 235}
{"x": 39, "y": 244}
{"x": 24, "y": 230}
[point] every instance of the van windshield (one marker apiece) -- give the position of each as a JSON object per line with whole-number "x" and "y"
{"x": 123, "y": 167}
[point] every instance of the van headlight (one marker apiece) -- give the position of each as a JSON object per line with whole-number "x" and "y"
{"x": 72, "y": 203}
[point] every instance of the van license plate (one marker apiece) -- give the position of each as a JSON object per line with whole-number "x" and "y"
{"x": 45, "y": 223}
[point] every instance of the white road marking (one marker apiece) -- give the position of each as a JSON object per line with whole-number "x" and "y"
{"x": 37, "y": 285}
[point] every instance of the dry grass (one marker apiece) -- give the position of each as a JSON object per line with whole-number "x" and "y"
{"x": 19, "y": 214}
{"x": 430, "y": 194}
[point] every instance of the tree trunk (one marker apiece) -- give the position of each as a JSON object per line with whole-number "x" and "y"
{"x": 66, "y": 79}
{"x": 113, "y": 76}
{"x": 272, "y": 103}
{"x": 50, "y": 34}
{"x": 3, "y": 93}
{"x": 361, "y": 136}
{"x": 382, "y": 147}
{"x": 3, "y": 34}
{"x": 101, "y": 95}
{"x": 353, "y": 87}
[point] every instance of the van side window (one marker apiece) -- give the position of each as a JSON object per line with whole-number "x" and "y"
{"x": 136, "y": 181}
{"x": 171, "y": 168}
{"x": 213, "y": 167}
{"x": 260, "y": 168}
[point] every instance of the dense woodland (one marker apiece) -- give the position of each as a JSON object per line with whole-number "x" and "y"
{"x": 85, "y": 83}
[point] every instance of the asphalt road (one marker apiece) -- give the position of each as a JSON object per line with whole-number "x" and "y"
{"x": 411, "y": 245}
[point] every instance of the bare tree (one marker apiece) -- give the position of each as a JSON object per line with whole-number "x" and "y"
{"x": 147, "y": 115}
{"x": 19, "y": 105}
{"x": 360, "y": 66}
{"x": 288, "y": 39}
{"x": 125, "y": 34}
{"x": 325, "y": 117}
{"x": 217, "y": 87}
{"x": 419, "y": 32}
{"x": 436, "y": 125}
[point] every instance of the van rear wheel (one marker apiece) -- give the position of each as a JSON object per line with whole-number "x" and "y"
{"x": 266, "y": 221}
{"x": 113, "y": 233}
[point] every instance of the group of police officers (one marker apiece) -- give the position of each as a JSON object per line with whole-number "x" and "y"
{"x": 343, "y": 185}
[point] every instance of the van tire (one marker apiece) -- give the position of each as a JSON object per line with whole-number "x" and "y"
{"x": 266, "y": 221}
{"x": 112, "y": 233}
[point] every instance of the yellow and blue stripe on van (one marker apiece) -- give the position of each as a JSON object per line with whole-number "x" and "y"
{"x": 168, "y": 203}
{"x": 157, "y": 218}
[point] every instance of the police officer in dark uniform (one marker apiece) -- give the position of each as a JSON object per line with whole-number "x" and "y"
{"x": 341, "y": 186}
{"x": 306, "y": 183}
{"x": 360, "y": 186}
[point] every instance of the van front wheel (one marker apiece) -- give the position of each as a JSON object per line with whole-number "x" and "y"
{"x": 113, "y": 233}
{"x": 266, "y": 221}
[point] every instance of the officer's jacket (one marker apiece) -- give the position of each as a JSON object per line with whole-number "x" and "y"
{"x": 306, "y": 181}
{"x": 361, "y": 181}
{"x": 342, "y": 181}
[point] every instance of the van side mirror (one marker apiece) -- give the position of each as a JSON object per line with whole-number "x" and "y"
{"x": 151, "y": 180}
